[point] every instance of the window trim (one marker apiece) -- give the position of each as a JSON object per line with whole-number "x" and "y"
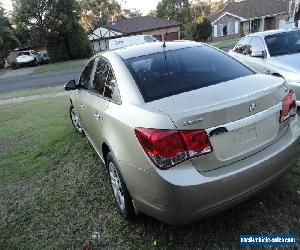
{"x": 102, "y": 95}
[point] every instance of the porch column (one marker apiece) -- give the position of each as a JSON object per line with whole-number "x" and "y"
{"x": 250, "y": 21}
{"x": 262, "y": 28}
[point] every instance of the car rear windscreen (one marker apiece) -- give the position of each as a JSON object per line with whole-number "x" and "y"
{"x": 169, "y": 73}
{"x": 23, "y": 53}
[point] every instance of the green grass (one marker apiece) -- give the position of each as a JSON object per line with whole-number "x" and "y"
{"x": 60, "y": 66}
{"x": 54, "y": 194}
{"x": 25, "y": 93}
{"x": 226, "y": 43}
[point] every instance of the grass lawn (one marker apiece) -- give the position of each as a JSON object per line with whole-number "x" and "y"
{"x": 60, "y": 66}
{"x": 226, "y": 43}
{"x": 54, "y": 194}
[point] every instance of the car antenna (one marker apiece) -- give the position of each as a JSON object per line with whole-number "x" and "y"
{"x": 164, "y": 45}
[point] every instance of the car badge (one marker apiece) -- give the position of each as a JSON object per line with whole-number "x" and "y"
{"x": 252, "y": 107}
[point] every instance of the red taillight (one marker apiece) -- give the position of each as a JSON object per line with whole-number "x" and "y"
{"x": 289, "y": 106}
{"x": 167, "y": 148}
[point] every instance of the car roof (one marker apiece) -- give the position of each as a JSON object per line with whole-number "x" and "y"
{"x": 150, "y": 48}
{"x": 272, "y": 32}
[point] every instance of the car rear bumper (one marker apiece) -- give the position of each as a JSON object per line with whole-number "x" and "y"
{"x": 182, "y": 195}
{"x": 25, "y": 63}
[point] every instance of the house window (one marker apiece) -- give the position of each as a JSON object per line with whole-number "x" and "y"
{"x": 256, "y": 25}
{"x": 225, "y": 30}
{"x": 220, "y": 30}
{"x": 231, "y": 28}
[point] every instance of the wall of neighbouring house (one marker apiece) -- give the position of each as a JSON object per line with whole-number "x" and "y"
{"x": 278, "y": 18}
{"x": 171, "y": 34}
{"x": 223, "y": 21}
{"x": 270, "y": 23}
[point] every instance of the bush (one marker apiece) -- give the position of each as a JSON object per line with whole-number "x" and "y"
{"x": 79, "y": 45}
{"x": 72, "y": 45}
{"x": 57, "y": 48}
{"x": 2, "y": 63}
{"x": 199, "y": 30}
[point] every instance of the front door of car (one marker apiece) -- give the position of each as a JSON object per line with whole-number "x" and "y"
{"x": 81, "y": 94}
{"x": 241, "y": 50}
{"x": 257, "y": 55}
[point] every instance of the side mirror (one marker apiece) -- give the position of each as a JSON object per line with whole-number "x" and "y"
{"x": 112, "y": 83}
{"x": 259, "y": 54}
{"x": 70, "y": 85}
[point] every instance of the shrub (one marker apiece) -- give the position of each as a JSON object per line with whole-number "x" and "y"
{"x": 79, "y": 45}
{"x": 199, "y": 30}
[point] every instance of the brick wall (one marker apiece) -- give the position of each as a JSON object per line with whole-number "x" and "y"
{"x": 225, "y": 20}
{"x": 161, "y": 32}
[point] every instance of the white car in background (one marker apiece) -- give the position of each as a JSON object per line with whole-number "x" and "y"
{"x": 44, "y": 55}
{"x": 122, "y": 42}
{"x": 28, "y": 57}
{"x": 275, "y": 52}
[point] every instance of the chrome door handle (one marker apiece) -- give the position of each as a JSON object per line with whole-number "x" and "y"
{"x": 97, "y": 116}
{"x": 82, "y": 106}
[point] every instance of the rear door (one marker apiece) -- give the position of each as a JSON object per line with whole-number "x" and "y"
{"x": 102, "y": 93}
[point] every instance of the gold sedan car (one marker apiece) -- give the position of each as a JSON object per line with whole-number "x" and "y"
{"x": 184, "y": 129}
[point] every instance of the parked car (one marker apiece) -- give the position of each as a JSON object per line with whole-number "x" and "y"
{"x": 45, "y": 57}
{"x": 273, "y": 52}
{"x": 129, "y": 41}
{"x": 183, "y": 129}
{"x": 28, "y": 57}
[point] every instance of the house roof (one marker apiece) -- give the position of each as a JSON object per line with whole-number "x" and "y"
{"x": 253, "y": 8}
{"x": 140, "y": 24}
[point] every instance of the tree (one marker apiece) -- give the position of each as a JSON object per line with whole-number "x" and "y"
{"x": 152, "y": 13}
{"x": 34, "y": 14}
{"x": 51, "y": 23}
{"x": 127, "y": 13}
{"x": 178, "y": 10}
{"x": 199, "y": 30}
{"x": 97, "y": 13}
{"x": 200, "y": 8}
{"x": 8, "y": 39}
{"x": 79, "y": 45}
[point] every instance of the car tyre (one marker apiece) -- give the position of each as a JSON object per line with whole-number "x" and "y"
{"x": 119, "y": 189}
{"x": 75, "y": 121}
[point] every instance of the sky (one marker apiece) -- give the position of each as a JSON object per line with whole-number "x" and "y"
{"x": 143, "y": 6}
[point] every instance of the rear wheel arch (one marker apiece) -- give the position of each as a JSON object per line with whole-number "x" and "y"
{"x": 277, "y": 75}
{"x": 105, "y": 152}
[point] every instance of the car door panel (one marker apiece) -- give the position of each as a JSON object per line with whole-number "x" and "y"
{"x": 94, "y": 110}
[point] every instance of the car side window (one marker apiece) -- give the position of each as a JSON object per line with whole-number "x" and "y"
{"x": 86, "y": 74}
{"x": 257, "y": 44}
{"x": 243, "y": 47}
{"x": 111, "y": 90}
{"x": 105, "y": 81}
{"x": 100, "y": 77}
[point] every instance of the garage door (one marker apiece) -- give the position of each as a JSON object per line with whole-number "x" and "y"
{"x": 282, "y": 24}
{"x": 158, "y": 37}
{"x": 172, "y": 36}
